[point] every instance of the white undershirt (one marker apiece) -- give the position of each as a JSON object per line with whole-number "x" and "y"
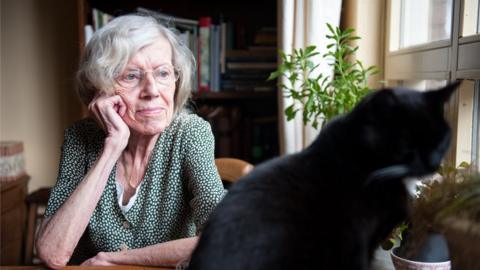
{"x": 130, "y": 202}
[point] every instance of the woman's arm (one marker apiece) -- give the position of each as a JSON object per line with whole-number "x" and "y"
{"x": 167, "y": 254}
{"x": 60, "y": 233}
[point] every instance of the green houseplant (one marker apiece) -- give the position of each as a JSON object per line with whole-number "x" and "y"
{"x": 321, "y": 97}
{"x": 449, "y": 207}
{"x": 461, "y": 227}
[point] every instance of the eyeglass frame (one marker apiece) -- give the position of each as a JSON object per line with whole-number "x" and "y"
{"x": 142, "y": 76}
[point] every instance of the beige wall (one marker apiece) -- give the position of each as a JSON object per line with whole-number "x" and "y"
{"x": 38, "y": 57}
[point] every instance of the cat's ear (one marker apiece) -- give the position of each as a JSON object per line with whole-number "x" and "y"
{"x": 442, "y": 95}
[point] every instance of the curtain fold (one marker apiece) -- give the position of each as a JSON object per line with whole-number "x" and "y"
{"x": 302, "y": 23}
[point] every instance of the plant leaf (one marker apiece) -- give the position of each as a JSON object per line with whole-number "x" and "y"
{"x": 310, "y": 49}
{"x": 274, "y": 75}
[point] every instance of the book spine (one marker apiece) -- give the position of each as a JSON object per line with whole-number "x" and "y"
{"x": 212, "y": 59}
{"x": 95, "y": 17}
{"x": 252, "y": 65}
{"x": 215, "y": 58}
{"x": 100, "y": 18}
{"x": 195, "y": 50}
{"x": 204, "y": 54}
{"x": 223, "y": 46}
{"x": 88, "y": 33}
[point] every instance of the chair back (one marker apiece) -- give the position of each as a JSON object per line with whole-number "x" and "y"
{"x": 231, "y": 169}
{"x": 36, "y": 204}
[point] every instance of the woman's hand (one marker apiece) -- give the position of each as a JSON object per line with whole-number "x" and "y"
{"x": 101, "y": 258}
{"x": 108, "y": 112}
{"x": 168, "y": 254}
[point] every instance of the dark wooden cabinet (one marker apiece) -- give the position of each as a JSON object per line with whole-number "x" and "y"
{"x": 13, "y": 207}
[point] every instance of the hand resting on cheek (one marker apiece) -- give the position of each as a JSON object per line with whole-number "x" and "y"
{"x": 108, "y": 112}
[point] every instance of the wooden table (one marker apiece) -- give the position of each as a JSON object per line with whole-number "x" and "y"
{"x": 78, "y": 267}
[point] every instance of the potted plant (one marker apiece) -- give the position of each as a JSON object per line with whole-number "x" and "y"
{"x": 444, "y": 223}
{"x": 459, "y": 222}
{"x": 321, "y": 97}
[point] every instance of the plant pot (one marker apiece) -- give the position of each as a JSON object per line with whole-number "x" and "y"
{"x": 404, "y": 264}
{"x": 463, "y": 238}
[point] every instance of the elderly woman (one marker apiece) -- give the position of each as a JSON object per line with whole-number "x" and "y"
{"x": 137, "y": 183}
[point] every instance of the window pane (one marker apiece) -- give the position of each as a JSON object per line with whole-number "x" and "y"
{"x": 416, "y": 22}
{"x": 468, "y": 132}
{"x": 476, "y": 128}
{"x": 471, "y": 13}
{"x": 423, "y": 85}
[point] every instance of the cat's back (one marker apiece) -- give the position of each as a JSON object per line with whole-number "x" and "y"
{"x": 270, "y": 204}
{"x": 283, "y": 177}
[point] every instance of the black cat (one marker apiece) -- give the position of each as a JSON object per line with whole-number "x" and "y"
{"x": 330, "y": 205}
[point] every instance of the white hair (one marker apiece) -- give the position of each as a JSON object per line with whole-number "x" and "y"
{"x": 113, "y": 46}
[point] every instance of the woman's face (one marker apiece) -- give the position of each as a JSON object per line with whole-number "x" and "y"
{"x": 147, "y": 86}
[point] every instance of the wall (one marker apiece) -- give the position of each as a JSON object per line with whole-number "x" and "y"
{"x": 39, "y": 54}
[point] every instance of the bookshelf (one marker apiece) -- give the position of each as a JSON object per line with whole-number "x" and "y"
{"x": 208, "y": 97}
{"x": 238, "y": 102}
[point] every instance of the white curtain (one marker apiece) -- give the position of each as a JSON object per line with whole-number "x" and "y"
{"x": 303, "y": 23}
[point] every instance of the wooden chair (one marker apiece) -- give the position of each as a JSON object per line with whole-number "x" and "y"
{"x": 231, "y": 169}
{"x": 36, "y": 203}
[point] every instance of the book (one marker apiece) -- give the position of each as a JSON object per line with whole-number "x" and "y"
{"x": 246, "y": 74}
{"x": 170, "y": 20}
{"x": 223, "y": 46}
{"x": 100, "y": 18}
{"x": 88, "y": 30}
{"x": 204, "y": 54}
{"x": 247, "y": 85}
{"x": 263, "y": 47}
{"x": 215, "y": 58}
{"x": 252, "y": 65}
{"x": 266, "y": 36}
{"x": 251, "y": 55}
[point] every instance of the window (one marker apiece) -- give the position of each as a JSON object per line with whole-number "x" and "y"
{"x": 467, "y": 142}
{"x": 476, "y": 128}
{"x": 423, "y": 85}
{"x": 430, "y": 43}
{"x": 418, "y": 22}
{"x": 471, "y": 11}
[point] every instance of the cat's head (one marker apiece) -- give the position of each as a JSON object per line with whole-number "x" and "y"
{"x": 403, "y": 128}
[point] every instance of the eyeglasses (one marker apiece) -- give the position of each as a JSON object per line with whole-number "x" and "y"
{"x": 133, "y": 78}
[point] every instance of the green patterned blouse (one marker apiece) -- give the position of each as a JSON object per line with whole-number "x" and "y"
{"x": 180, "y": 188}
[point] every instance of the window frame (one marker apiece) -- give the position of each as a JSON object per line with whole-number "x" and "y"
{"x": 457, "y": 58}
{"x": 476, "y": 128}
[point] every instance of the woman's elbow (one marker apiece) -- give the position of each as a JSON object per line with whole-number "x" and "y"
{"x": 52, "y": 258}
